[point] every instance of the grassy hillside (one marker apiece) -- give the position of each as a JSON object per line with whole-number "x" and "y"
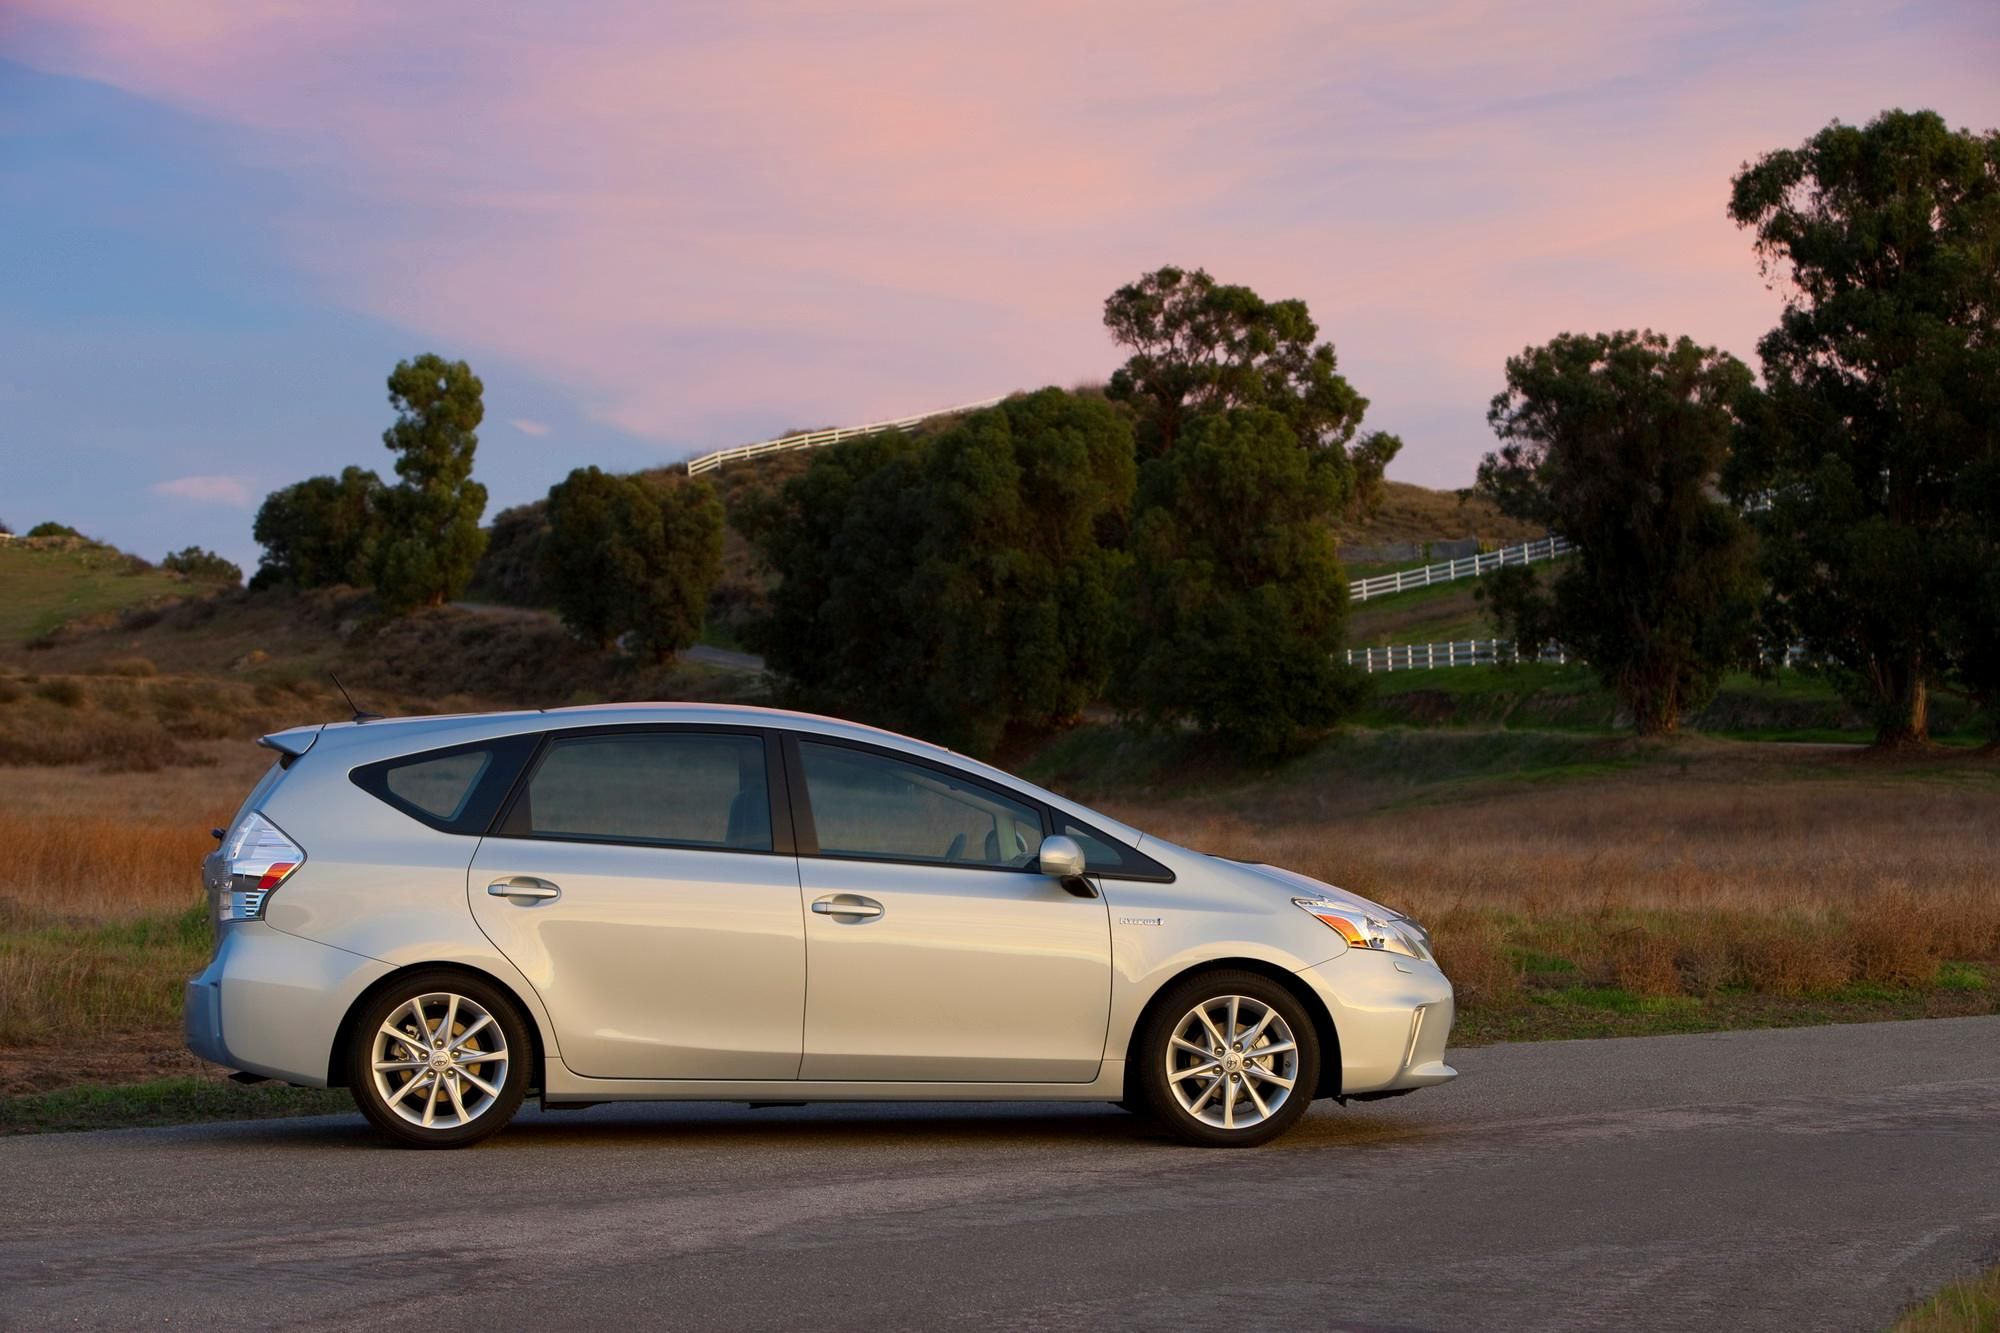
{"x": 443, "y": 657}
{"x": 42, "y": 586}
{"x": 1441, "y": 613}
{"x": 1419, "y": 514}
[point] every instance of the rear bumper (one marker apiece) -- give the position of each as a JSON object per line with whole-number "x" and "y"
{"x": 270, "y": 1003}
{"x": 1392, "y": 1015}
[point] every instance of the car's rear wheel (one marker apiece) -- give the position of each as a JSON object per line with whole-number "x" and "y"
{"x": 439, "y": 1060}
{"x": 1228, "y": 1060}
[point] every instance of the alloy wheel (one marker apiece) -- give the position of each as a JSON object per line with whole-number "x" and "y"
{"x": 439, "y": 1060}
{"x": 1232, "y": 1061}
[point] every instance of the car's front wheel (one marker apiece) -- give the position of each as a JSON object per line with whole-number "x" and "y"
{"x": 439, "y": 1060}
{"x": 1228, "y": 1060}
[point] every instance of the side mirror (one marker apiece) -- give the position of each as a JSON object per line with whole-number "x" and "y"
{"x": 1062, "y": 859}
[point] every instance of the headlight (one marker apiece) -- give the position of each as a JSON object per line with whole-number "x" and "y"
{"x": 1363, "y": 930}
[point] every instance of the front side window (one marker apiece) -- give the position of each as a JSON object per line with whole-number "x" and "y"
{"x": 683, "y": 789}
{"x": 866, "y": 804}
{"x": 1103, "y": 855}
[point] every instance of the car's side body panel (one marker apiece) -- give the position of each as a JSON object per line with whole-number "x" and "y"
{"x": 967, "y": 975}
{"x": 655, "y": 962}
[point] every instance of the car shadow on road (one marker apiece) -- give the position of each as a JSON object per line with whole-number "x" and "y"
{"x": 890, "y": 1125}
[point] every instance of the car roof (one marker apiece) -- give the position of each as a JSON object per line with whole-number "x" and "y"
{"x": 362, "y": 740}
{"x": 750, "y": 715}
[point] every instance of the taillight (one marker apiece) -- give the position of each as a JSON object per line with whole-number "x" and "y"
{"x": 257, "y": 857}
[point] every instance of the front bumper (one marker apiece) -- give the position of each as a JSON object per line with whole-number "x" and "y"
{"x": 1392, "y": 1015}
{"x": 270, "y": 1003}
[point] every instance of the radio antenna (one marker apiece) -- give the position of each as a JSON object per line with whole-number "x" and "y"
{"x": 359, "y": 716}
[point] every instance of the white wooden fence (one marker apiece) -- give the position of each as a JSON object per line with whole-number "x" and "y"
{"x": 1483, "y": 652}
{"x": 813, "y": 439}
{"x": 1471, "y": 566}
{"x": 1430, "y": 656}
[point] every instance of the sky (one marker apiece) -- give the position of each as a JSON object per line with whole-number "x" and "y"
{"x": 657, "y": 229}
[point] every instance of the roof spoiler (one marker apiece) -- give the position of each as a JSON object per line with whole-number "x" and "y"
{"x": 292, "y": 743}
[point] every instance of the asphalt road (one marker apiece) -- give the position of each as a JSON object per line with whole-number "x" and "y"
{"x": 1810, "y": 1179}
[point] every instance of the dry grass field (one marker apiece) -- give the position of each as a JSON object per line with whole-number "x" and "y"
{"x": 100, "y": 912}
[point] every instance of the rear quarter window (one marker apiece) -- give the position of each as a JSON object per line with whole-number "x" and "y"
{"x": 456, "y": 789}
{"x": 438, "y": 786}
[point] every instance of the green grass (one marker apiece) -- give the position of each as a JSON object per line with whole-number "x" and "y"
{"x": 84, "y": 980}
{"x": 1441, "y": 613}
{"x": 1971, "y": 1306}
{"x": 1792, "y": 707}
{"x": 39, "y": 590}
{"x": 167, "y": 1101}
{"x": 1960, "y": 977}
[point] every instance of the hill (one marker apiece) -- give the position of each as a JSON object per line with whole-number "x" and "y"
{"x": 46, "y": 581}
{"x": 1410, "y": 515}
{"x": 1418, "y": 514}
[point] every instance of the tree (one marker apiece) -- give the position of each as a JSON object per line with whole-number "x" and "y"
{"x": 958, "y": 584}
{"x": 202, "y": 566}
{"x": 624, "y": 556}
{"x": 1971, "y": 628}
{"x": 1016, "y": 579}
{"x": 691, "y": 523}
{"x": 511, "y": 568}
{"x": 1617, "y": 441}
{"x": 1199, "y": 346}
{"x": 1883, "y": 378}
{"x": 431, "y": 539}
{"x": 53, "y": 529}
{"x": 1238, "y": 600}
{"x": 319, "y": 532}
{"x": 1371, "y": 456}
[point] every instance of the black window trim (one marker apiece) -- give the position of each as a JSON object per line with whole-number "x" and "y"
{"x": 491, "y": 790}
{"x": 783, "y": 839}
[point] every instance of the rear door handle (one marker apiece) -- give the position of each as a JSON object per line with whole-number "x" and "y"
{"x": 523, "y": 887}
{"x": 851, "y": 907}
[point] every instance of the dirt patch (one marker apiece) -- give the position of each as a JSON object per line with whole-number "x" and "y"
{"x": 122, "y": 1057}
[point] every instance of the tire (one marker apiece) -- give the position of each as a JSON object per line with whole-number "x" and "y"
{"x": 1209, "y": 1111}
{"x": 464, "y": 1100}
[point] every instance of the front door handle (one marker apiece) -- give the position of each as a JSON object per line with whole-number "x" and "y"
{"x": 849, "y": 907}
{"x": 523, "y": 887}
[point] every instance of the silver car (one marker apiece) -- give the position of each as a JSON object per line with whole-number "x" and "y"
{"x": 677, "y": 901}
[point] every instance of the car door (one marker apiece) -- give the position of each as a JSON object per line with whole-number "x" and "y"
{"x": 935, "y": 949}
{"x": 643, "y": 880}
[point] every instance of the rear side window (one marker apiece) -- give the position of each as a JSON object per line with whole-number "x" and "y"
{"x": 439, "y": 787}
{"x": 676, "y": 789}
{"x": 457, "y": 789}
{"x": 865, "y": 804}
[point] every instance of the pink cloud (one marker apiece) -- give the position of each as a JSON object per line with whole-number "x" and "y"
{"x": 232, "y": 491}
{"x": 693, "y": 215}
